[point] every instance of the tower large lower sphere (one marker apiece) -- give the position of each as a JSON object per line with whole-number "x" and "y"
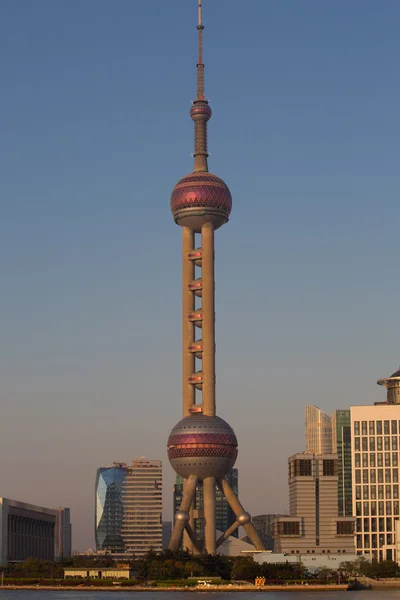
{"x": 202, "y": 447}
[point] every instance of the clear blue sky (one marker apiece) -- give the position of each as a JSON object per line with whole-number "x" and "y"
{"x": 95, "y": 132}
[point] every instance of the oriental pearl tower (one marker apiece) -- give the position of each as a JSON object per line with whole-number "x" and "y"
{"x": 202, "y": 447}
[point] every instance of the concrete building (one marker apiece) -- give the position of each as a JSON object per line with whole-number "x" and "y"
{"x": 224, "y": 516}
{"x": 375, "y": 472}
{"x": 63, "y": 533}
{"x": 309, "y": 561}
{"x": 341, "y": 445}
{"x": 128, "y": 514}
{"x": 26, "y": 531}
{"x": 142, "y": 502}
{"x": 118, "y": 572}
{"x": 313, "y": 526}
{"x": 202, "y": 447}
{"x": 318, "y": 431}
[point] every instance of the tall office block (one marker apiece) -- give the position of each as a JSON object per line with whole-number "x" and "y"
{"x": 142, "y": 501}
{"x": 341, "y": 445}
{"x": 63, "y": 533}
{"x": 129, "y": 507}
{"x": 224, "y": 516}
{"x": 314, "y": 525}
{"x": 318, "y": 431}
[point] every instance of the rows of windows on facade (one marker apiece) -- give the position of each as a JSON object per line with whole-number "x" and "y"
{"x": 344, "y": 489}
{"x": 31, "y": 531}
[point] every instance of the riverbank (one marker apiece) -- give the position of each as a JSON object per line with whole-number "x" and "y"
{"x": 211, "y": 588}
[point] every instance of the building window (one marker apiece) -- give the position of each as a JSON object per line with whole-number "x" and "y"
{"x": 372, "y": 444}
{"x": 372, "y": 460}
{"x": 364, "y": 428}
{"x": 357, "y": 460}
{"x": 386, "y": 429}
{"x": 303, "y": 468}
{"x": 358, "y": 476}
{"x": 329, "y": 468}
{"x": 394, "y": 443}
{"x": 288, "y": 528}
{"x": 387, "y": 442}
{"x": 394, "y": 427}
{"x": 356, "y": 427}
{"x": 357, "y": 447}
{"x": 379, "y": 428}
{"x": 372, "y": 428}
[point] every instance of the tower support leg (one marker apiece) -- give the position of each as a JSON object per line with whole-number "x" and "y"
{"x": 182, "y": 517}
{"x": 242, "y": 517}
{"x": 209, "y": 514}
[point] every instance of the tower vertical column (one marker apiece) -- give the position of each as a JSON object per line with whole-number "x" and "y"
{"x": 207, "y": 242}
{"x": 188, "y": 304}
{"x": 209, "y": 515}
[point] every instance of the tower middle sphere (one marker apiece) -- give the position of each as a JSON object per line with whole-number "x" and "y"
{"x": 203, "y": 446}
{"x": 201, "y": 198}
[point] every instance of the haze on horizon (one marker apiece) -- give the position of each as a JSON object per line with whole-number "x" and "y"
{"x": 96, "y": 132}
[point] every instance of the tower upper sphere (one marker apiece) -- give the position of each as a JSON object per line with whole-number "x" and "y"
{"x": 200, "y": 197}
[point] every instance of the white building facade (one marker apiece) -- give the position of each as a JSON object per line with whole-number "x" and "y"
{"x": 375, "y": 443}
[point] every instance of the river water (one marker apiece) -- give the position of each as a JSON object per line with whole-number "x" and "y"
{"x": 300, "y": 595}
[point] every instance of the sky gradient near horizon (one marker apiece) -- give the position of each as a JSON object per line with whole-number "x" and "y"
{"x": 95, "y": 133}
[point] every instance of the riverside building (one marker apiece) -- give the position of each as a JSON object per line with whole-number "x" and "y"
{"x": 128, "y": 518}
{"x": 26, "y": 531}
{"x": 375, "y": 472}
{"x": 314, "y": 526}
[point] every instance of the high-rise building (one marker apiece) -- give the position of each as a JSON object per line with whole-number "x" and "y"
{"x": 314, "y": 526}
{"x": 375, "y": 449}
{"x": 63, "y": 533}
{"x": 142, "y": 502}
{"x": 202, "y": 447}
{"x": 318, "y": 431}
{"x": 224, "y": 516}
{"x": 129, "y": 507}
{"x": 341, "y": 445}
{"x": 26, "y": 531}
{"x": 109, "y": 508}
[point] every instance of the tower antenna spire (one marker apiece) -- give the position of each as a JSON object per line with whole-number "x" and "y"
{"x": 200, "y": 64}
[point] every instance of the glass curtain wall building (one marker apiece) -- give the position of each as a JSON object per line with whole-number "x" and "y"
{"x": 318, "y": 431}
{"x": 128, "y": 510}
{"x": 223, "y": 512}
{"x": 109, "y": 509}
{"x": 341, "y": 441}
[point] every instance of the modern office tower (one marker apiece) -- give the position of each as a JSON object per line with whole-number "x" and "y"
{"x": 109, "y": 509}
{"x": 318, "y": 431}
{"x": 26, "y": 531}
{"x": 341, "y": 445}
{"x": 63, "y": 533}
{"x": 375, "y": 472}
{"x": 314, "y": 526}
{"x": 129, "y": 507}
{"x": 224, "y": 516}
{"x": 142, "y": 501}
{"x": 202, "y": 447}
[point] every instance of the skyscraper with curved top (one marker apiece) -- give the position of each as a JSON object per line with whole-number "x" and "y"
{"x": 202, "y": 447}
{"x": 318, "y": 431}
